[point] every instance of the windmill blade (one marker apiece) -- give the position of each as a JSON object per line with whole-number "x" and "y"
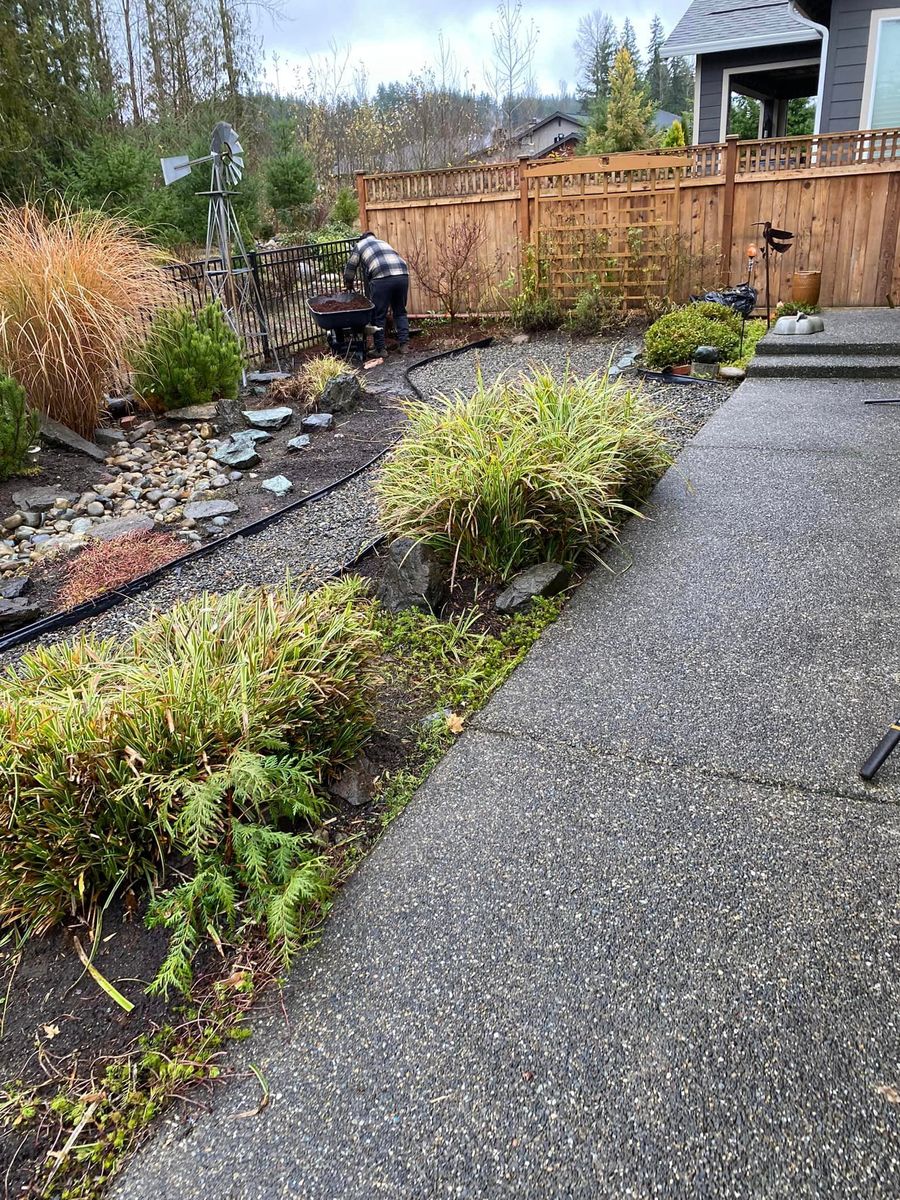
{"x": 175, "y": 168}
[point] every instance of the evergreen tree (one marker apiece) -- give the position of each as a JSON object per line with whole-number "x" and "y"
{"x": 595, "y": 48}
{"x": 679, "y": 94}
{"x": 801, "y": 117}
{"x": 657, "y": 82}
{"x": 628, "y": 41}
{"x": 626, "y": 122}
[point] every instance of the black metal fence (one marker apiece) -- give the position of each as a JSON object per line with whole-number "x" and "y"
{"x": 285, "y": 277}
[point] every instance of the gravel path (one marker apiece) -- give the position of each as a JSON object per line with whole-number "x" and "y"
{"x": 319, "y": 538}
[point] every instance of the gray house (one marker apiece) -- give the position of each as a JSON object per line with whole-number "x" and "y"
{"x": 844, "y": 53}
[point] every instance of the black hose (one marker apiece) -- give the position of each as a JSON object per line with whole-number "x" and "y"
{"x": 92, "y": 608}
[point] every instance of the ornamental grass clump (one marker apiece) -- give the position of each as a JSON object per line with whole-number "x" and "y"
{"x": 73, "y": 287}
{"x": 523, "y": 470}
{"x": 204, "y": 741}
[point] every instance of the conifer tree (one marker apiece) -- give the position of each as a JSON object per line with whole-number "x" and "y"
{"x": 626, "y": 122}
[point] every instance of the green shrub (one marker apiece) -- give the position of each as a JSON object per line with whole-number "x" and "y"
{"x": 531, "y": 307}
{"x": 521, "y": 471}
{"x": 188, "y": 358}
{"x": 790, "y": 308}
{"x": 345, "y": 210}
{"x": 674, "y": 337}
{"x": 596, "y": 311}
{"x": 19, "y": 427}
{"x": 205, "y": 740}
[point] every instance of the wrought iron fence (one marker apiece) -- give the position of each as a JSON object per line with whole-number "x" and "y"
{"x": 285, "y": 278}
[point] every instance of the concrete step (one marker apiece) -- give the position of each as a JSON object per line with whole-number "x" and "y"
{"x": 822, "y": 343}
{"x": 824, "y": 366}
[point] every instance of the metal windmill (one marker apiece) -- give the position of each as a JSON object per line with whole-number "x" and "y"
{"x": 227, "y": 270}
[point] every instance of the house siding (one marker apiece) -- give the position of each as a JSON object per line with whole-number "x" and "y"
{"x": 845, "y": 70}
{"x": 546, "y": 135}
{"x": 713, "y": 66}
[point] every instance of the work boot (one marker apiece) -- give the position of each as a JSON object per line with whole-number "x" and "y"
{"x": 403, "y": 348}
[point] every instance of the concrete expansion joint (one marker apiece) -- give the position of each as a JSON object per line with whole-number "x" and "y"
{"x": 864, "y": 797}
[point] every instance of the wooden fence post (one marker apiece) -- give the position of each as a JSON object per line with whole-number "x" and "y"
{"x": 361, "y": 196}
{"x": 731, "y": 148}
{"x": 524, "y": 216}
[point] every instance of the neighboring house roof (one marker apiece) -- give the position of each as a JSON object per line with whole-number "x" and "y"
{"x": 568, "y": 142}
{"x": 530, "y": 128}
{"x": 710, "y": 26}
{"x": 665, "y": 120}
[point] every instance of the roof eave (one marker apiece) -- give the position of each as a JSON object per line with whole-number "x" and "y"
{"x": 748, "y": 43}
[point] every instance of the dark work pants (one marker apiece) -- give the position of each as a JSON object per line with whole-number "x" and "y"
{"x": 390, "y": 292}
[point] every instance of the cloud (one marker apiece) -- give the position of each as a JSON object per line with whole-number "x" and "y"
{"x": 394, "y": 41}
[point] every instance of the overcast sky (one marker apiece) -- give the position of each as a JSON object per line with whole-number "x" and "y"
{"x": 395, "y": 39}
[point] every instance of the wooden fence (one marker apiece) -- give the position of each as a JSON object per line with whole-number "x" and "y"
{"x": 665, "y": 221}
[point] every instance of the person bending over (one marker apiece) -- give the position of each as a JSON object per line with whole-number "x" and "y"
{"x": 387, "y": 276}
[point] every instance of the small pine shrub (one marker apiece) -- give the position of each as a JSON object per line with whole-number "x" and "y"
{"x": 790, "y": 308}
{"x": 532, "y": 314}
{"x": 345, "y": 210}
{"x": 188, "y": 359}
{"x": 205, "y": 740}
{"x": 19, "y": 426}
{"x": 522, "y": 470}
{"x": 104, "y": 566}
{"x": 674, "y": 337}
{"x": 596, "y": 311}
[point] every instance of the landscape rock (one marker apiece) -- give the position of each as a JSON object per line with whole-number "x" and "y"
{"x": 544, "y": 579}
{"x": 14, "y": 588}
{"x": 40, "y": 499}
{"x": 109, "y": 437}
{"x": 253, "y": 436}
{"x": 236, "y": 452}
{"x": 17, "y": 612}
{"x": 278, "y": 485}
{"x": 520, "y": 339}
{"x": 732, "y": 373}
{"x": 413, "y": 578}
{"x": 314, "y": 422}
{"x": 266, "y": 376}
{"x": 341, "y": 394}
{"x": 298, "y": 443}
{"x": 81, "y": 525}
{"x": 16, "y": 519}
{"x": 203, "y": 510}
{"x": 193, "y": 412}
{"x": 119, "y": 526}
{"x": 95, "y": 509}
{"x": 356, "y": 785}
{"x": 57, "y": 434}
{"x": 268, "y": 418}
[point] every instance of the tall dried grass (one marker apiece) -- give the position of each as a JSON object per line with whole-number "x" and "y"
{"x": 72, "y": 288}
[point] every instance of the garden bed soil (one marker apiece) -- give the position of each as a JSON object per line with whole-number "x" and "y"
{"x": 339, "y": 303}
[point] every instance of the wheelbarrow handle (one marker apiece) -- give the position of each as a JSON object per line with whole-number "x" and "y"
{"x": 882, "y": 751}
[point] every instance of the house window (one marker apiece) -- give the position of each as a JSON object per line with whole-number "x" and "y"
{"x": 881, "y": 96}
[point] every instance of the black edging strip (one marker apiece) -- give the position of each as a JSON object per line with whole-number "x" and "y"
{"x": 668, "y": 377}
{"x": 92, "y": 608}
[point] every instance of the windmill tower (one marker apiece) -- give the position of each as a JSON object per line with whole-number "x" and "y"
{"x": 227, "y": 271}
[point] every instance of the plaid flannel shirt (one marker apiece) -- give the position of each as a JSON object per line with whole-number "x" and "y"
{"x": 377, "y": 260}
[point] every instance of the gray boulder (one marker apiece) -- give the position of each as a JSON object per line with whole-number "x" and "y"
{"x": 356, "y": 785}
{"x": 412, "y": 578}
{"x": 298, "y": 443}
{"x": 314, "y": 422}
{"x": 14, "y": 588}
{"x": 278, "y": 485}
{"x": 268, "y": 418}
{"x": 544, "y": 579}
{"x": 40, "y": 499}
{"x": 266, "y": 376}
{"x": 341, "y": 394}
{"x": 17, "y": 612}
{"x": 254, "y": 436}
{"x": 110, "y": 437}
{"x": 204, "y": 510}
{"x": 105, "y": 531}
{"x": 237, "y": 452}
{"x": 57, "y": 434}
{"x": 193, "y": 412}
